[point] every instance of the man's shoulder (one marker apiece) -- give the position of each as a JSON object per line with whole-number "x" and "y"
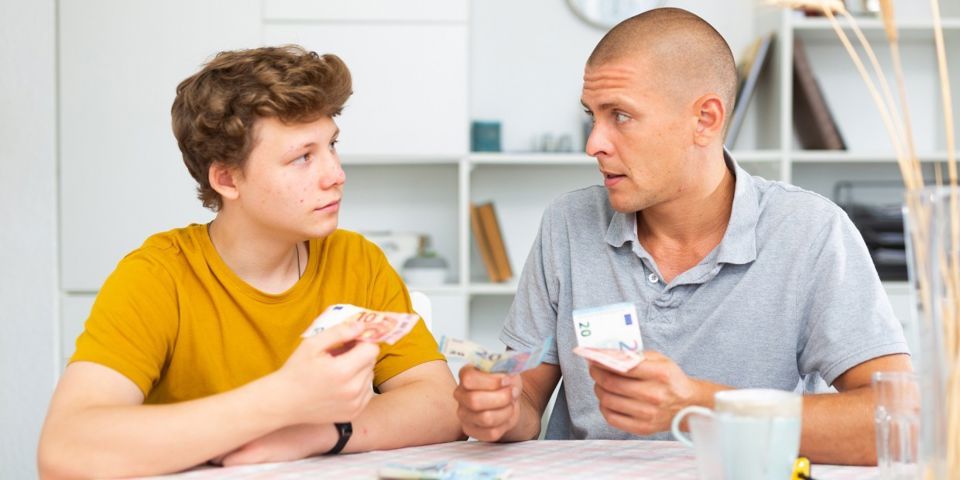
{"x": 794, "y": 208}
{"x": 584, "y": 203}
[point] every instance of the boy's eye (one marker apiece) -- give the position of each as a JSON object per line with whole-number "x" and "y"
{"x": 333, "y": 144}
{"x": 302, "y": 158}
{"x": 621, "y": 117}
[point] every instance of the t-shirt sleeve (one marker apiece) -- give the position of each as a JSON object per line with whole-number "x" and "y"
{"x": 533, "y": 314}
{"x": 133, "y": 323}
{"x": 846, "y": 315}
{"x": 388, "y": 293}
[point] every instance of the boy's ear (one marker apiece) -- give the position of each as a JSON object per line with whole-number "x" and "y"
{"x": 223, "y": 180}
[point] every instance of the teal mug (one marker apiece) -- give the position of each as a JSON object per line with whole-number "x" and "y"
{"x": 751, "y": 434}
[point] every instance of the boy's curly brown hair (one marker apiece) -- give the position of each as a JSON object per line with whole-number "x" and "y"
{"x": 216, "y": 109}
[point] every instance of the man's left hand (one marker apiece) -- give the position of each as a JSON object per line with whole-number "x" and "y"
{"x": 643, "y": 400}
{"x": 289, "y": 443}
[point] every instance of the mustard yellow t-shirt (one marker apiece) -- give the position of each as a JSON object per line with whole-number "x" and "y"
{"x": 175, "y": 320}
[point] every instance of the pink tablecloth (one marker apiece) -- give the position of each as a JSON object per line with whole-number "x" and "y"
{"x": 593, "y": 459}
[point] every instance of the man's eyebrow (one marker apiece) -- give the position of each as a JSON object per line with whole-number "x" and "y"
{"x": 603, "y": 106}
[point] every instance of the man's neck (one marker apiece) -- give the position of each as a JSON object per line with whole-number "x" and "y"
{"x": 262, "y": 260}
{"x": 681, "y": 232}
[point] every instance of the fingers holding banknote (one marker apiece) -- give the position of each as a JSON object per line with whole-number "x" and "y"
{"x": 328, "y": 378}
{"x": 644, "y": 399}
{"x": 488, "y": 403}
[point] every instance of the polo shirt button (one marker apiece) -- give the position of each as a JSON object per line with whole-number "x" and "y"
{"x": 653, "y": 278}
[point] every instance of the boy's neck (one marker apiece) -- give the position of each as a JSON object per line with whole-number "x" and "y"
{"x": 260, "y": 258}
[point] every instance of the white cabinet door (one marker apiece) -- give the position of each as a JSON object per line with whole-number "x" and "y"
{"x": 121, "y": 173}
{"x": 409, "y": 83}
{"x": 365, "y": 10}
{"x": 74, "y": 310}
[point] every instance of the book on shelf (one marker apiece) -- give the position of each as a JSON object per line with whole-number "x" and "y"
{"x": 815, "y": 126}
{"x": 753, "y": 63}
{"x": 493, "y": 250}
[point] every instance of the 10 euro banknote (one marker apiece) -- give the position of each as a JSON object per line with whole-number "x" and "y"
{"x": 386, "y": 327}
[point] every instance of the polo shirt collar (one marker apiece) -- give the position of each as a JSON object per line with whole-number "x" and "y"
{"x": 739, "y": 243}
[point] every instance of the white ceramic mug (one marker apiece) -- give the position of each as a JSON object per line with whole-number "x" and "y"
{"x": 751, "y": 434}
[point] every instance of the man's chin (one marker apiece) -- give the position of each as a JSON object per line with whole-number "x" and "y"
{"x": 623, "y": 205}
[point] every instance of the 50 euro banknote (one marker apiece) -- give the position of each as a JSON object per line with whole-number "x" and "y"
{"x": 386, "y": 327}
{"x": 509, "y": 362}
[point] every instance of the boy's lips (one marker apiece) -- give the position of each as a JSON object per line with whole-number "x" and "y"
{"x": 334, "y": 205}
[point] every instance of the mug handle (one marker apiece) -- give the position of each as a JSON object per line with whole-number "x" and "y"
{"x": 675, "y": 425}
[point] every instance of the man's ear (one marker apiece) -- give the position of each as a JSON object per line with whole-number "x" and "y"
{"x": 223, "y": 180}
{"x": 710, "y": 118}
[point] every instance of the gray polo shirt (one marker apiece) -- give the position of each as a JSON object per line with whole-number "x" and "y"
{"x": 790, "y": 291}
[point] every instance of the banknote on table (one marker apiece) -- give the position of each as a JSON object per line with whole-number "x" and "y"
{"x": 456, "y": 470}
{"x": 619, "y": 360}
{"x": 612, "y": 327}
{"x": 386, "y": 327}
{"x": 510, "y": 362}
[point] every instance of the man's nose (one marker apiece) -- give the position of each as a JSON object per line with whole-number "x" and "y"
{"x": 597, "y": 143}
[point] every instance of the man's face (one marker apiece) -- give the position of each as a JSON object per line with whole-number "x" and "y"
{"x": 292, "y": 181}
{"x": 641, "y": 133}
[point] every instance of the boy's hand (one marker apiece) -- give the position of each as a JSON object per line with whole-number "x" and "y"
{"x": 327, "y": 379}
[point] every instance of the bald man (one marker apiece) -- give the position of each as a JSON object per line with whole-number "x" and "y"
{"x": 738, "y": 281}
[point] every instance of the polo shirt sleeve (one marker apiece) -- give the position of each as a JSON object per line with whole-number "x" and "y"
{"x": 389, "y": 294}
{"x": 133, "y": 324}
{"x": 846, "y": 317}
{"x": 533, "y": 314}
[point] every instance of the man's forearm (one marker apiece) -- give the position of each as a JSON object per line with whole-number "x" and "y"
{"x": 528, "y": 424}
{"x": 134, "y": 440}
{"x": 838, "y": 428}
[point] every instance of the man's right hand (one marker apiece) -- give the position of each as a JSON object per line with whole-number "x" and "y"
{"x": 489, "y": 403}
{"x": 328, "y": 378}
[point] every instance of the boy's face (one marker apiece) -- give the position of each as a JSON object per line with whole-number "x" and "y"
{"x": 292, "y": 181}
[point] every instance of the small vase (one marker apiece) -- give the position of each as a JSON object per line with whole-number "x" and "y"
{"x": 932, "y": 220}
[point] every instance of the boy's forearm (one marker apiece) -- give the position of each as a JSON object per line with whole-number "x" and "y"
{"x": 419, "y": 413}
{"x": 135, "y": 440}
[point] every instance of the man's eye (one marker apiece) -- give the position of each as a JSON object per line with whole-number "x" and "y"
{"x": 302, "y": 158}
{"x": 621, "y": 117}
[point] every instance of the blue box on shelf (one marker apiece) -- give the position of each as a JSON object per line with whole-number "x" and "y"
{"x": 485, "y": 136}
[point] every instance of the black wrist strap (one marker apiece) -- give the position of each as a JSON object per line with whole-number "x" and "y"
{"x": 344, "y": 430}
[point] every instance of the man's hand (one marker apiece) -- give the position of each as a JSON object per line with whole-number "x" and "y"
{"x": 287, "y": 444}
{"x": 489, "y": 403}
{"x": 328, "y": 378}
{"x": 644, "y": 400}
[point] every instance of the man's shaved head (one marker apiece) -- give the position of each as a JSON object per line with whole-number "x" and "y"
{"x": 684, "y": 52}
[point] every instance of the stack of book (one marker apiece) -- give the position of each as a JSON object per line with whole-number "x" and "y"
{"x": 493, "y": 251}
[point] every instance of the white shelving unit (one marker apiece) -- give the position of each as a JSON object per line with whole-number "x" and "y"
{"x": 469, "y": 304}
